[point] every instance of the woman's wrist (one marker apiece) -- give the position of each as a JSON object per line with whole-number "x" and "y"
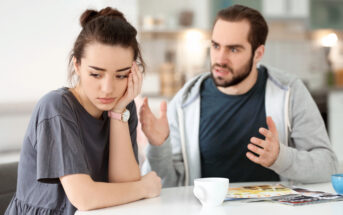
{"x": 118, "y": 109}
{"x": 142, "y": 189}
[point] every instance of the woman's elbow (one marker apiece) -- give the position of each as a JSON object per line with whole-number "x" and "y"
{"x": 80, "y": 191}
{"x": 81, "y": 203}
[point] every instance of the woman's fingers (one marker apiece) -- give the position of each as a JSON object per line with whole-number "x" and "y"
{"x": 140, "y": 78}
{"x": 130, "y": 86}
{"x": 134, "y": 78}
{"x": 137, "y": 79}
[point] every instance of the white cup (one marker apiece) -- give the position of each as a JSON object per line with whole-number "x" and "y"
{"x": 211, "y": 192}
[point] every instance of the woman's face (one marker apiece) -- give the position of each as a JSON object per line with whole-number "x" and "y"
{"x": 103, "y": 74}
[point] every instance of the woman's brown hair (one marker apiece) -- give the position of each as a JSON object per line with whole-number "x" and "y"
{"x": 107, "y": 26}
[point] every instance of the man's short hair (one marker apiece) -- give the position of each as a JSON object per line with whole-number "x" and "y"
{"x": 258, "y": 26}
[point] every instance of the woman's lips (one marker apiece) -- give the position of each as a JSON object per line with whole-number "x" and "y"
{"x": 106, "y": 100}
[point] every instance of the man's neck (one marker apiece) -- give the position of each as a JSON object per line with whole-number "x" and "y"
{"x": 243, "y": 87}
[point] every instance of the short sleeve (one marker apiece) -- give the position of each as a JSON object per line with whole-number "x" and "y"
{"x": 59, "y": 150}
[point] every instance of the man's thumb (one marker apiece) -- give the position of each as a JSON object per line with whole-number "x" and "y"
{"x": 145, "y": 105}
{"x": 271, "y": 124}
{"x": 145, "y": 101}
{"x": 163, "y": 108}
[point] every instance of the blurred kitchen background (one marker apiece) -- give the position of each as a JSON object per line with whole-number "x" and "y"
{"x": 37, "y": 35}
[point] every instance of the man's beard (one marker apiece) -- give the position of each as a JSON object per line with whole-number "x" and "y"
{"x": 243, "y": 73}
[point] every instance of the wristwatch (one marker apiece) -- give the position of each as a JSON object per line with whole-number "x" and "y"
{"x": 124, "y": 117}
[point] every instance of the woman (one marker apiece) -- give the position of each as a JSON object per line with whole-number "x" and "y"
{"x": 80, "y": 149}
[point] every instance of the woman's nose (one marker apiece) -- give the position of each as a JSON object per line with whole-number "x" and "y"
{"x": 107, "y": 85}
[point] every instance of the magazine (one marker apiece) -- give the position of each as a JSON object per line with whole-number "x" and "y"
{"x": 258, "y": 192}
{"x": 305, "y": 197}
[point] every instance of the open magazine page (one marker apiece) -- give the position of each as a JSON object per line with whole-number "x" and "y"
{"x": 258, "y": 192}
{"x": 308, "y": 197}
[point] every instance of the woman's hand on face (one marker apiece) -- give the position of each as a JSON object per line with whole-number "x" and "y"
{"x": 134, "y": 87}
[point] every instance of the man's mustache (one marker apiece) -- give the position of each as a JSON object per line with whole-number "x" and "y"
{"x": 222, "y": 66}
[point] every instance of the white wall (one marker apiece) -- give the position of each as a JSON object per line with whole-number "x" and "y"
{"x": 36, "y": 38}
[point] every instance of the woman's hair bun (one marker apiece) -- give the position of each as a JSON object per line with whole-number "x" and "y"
{"x": 89, "y": 15}
{"x": 108, "y": 11}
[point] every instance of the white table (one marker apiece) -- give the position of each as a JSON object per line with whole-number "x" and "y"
{"x": 181, "y": 201}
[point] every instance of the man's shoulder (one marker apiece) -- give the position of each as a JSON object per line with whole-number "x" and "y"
{"x": 190, "y": 89}
{"x": 279, "y": 77}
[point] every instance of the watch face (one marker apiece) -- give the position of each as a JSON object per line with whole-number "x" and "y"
{"x": 126, "y": 116}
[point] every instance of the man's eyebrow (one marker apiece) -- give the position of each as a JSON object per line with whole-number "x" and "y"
{"x": 230, "y": 46}
{"x": 235, "y": 46}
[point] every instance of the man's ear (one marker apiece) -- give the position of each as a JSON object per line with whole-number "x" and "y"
{"x": 76, "y": 66}
{"x": 259, "y": 52}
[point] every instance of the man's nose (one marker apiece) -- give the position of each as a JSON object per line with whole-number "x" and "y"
{"x": 222, "y": 57}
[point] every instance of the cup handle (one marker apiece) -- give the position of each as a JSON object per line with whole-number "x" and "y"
{"x": 200, "y": 193}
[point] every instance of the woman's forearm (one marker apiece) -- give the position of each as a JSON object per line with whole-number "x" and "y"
{"x": 85, "y": 194}
{"x": 123, "y": 166}
{"x": 111, "y": 194}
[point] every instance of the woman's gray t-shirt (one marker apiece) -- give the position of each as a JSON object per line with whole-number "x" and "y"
{"x": 62, "y": 139}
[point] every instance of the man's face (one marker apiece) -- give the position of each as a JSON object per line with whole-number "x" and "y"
{"x": 231, "y": 53}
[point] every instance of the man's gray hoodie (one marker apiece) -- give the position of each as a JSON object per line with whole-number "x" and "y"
{"x": 305, "y": 156}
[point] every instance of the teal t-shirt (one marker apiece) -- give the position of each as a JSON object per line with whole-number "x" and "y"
{"x": 227, "y": 122}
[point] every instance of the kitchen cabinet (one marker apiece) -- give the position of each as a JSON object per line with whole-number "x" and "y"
{"x": 217, "y": 5}
{"x": 271, "y": 9}
{"x": 285, "y": 8}
{"x": 326, "y": 14}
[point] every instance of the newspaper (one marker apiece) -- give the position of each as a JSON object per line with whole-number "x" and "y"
{"x": 306, "y": 197}
{"x": 258, "y": 192}
{"x": 281, "y": 194}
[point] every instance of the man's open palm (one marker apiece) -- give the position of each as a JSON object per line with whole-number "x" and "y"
{"x": 155, "y": 129}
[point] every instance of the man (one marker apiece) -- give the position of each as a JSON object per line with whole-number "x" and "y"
{"x": 217, "y": 121}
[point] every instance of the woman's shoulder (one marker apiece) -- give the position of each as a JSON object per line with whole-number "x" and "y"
{"x": 56, "y": 103}
{"x": 54, "y": 95}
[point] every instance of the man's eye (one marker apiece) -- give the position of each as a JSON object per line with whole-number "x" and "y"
{"x": 215, "y": 45}
{"x": 95, "y": 75}
{"x": 234, "y": 50}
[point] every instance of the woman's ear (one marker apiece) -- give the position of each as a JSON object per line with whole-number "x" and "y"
{"x": 76, "y": 66}
{"x": 259, "y": 52}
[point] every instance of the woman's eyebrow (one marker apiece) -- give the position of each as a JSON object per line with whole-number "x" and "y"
{"x": 97, "y": 68}
{"x": 124, "y": 69}
{"x": 104, "y": 70}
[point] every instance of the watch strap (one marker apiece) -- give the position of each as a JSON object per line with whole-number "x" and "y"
{"x": 124, "y": 117}
{"x": 114, "y": 115}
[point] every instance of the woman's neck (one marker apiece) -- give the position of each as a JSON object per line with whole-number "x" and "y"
{"x": 85, "y": 102}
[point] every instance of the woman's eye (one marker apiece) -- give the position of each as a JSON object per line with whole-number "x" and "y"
{"x": 95, "y": 75}
{"x": 122, "y": 76}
